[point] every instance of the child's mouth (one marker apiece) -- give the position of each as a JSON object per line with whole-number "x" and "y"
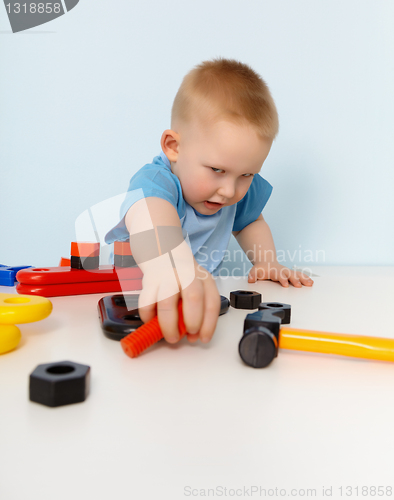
{"x": 212, "y": 206}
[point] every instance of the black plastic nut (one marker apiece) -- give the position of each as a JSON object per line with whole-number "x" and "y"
{"x": 277, "y": 307}
{"x": 57, "y": 384}
{"x": 245, "y": 299}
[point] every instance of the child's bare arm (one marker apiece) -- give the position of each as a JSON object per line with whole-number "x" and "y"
{"x": 257, "y": 242}
{"x": 170, "y": 272}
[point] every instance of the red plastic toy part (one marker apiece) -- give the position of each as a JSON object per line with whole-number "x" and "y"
{"x": 64, "y": 289}
{"x": 122, "y": 248}
{"x": 64, "y": 262}
{"x": 148, "y": 334}
{"x": 81, "y": 249}
{"x": 63, "y": 275}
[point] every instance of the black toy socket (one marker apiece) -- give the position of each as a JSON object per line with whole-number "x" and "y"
{"x": 260, "y": 343}
{"x": 58, "y": 384}
{"x": 277, "y": 307}
{"x": 258, "y": 347}
{"x": 245, "y": 299}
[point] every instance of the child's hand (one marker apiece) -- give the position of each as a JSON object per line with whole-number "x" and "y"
{"x": 200, "y": 302}
{"x": 201, "y": 306}
{"x": 276, "y": 272}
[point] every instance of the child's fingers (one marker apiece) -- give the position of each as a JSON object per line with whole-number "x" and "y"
{"x": 193, "y": 306}
{"x": 167, "y": 315}
{"x": 306, "y": 280}
{"x": 149, "y": 296}
{"x": 147, "y": 311}
{"x": 192, "y": 337}
{"x": 282, "y": 275}
{"x": 294, "y": 280}
{"x": 211, "y": 310}
{"x": 298, "y": 279}
{"x": 252, "y": 276}
{"x": 284, "y": 282}
{"x": 256, "y": 273}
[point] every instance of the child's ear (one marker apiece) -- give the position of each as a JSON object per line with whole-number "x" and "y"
{"x": 170, "y": 144}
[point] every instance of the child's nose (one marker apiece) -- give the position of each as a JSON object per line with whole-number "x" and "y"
{"x": 227, "y": 190}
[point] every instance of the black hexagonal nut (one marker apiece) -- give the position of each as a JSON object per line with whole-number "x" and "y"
{"x": 245, "y": 299}
{"x": 277, "y": 307}
{"x": 61, "y": 383}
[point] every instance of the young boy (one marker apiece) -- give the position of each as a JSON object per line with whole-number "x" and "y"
{"x": 204, "y": 186}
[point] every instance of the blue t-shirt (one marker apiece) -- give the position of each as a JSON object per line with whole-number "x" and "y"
{"x": 207, "y": 235}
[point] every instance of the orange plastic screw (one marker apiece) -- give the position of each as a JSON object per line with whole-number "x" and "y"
{"x": 148, "y": 334}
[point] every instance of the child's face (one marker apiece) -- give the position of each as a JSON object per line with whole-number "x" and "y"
{"x": 215, "y": 163}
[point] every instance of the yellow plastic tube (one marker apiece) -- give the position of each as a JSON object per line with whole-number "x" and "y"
{"x": 356, "y": 346}
{"x": 16, "y": 309}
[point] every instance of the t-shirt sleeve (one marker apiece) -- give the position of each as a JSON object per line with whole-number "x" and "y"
{"x": 252, "y": 204}
{"x": 150, "y": 180}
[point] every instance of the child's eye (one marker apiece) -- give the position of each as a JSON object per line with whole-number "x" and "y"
{"x": 220, "y": 170}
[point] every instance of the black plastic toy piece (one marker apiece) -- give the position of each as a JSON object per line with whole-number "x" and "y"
{"x": 275, "y": 306}
{"x": 245, "y": 299}
{"x": 58, "y": 384}
{"x": 124, "y": 261}
{"x": 85, "y": 262}
{"x": 224, "y": 305}
{"x": 260, "y": 342}
{"x": 118, "y": 320}
{"x": 258, "y": 347}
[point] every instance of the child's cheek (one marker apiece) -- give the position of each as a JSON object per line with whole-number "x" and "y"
{"x": 198, "y": 189}
{"x": 241, "y": 192}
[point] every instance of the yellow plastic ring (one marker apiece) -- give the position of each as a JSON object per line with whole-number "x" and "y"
{"x": 16, "y": 309}
{"x": 10, "y": 336}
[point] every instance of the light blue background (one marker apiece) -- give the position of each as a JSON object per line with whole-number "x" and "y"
{"x": 84, "y": 100}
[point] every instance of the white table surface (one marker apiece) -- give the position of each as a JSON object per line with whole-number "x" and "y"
{"x": 184, "y": 420}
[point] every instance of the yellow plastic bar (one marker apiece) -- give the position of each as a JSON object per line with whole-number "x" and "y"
{"x": 356, "y": 346}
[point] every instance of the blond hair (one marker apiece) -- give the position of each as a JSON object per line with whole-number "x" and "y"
{"x": 229, "y": 90}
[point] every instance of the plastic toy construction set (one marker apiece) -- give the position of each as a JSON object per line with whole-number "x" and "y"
{"x": 66, "y": 382}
